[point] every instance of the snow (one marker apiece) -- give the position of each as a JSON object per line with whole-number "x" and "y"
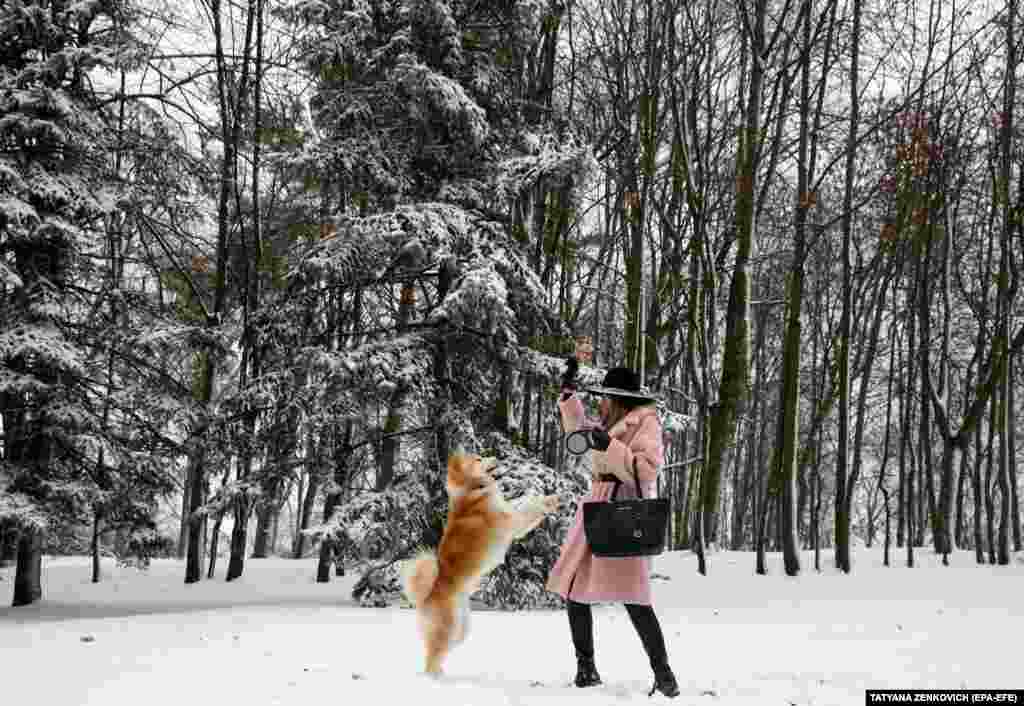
{"x": 276, "y": 637}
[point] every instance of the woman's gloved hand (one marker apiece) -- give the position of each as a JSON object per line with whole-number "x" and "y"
{"x": 572, "y": 366}
{"x": 599, "y": 439}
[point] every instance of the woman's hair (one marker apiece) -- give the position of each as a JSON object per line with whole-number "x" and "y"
{"x": 621, "y": 406}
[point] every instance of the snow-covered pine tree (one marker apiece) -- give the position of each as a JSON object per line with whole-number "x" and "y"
{"x": 62, "y": 456}
{"x": 433, "y": 120}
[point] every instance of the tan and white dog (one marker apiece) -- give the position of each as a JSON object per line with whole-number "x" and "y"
{"x": 481, "y": 526}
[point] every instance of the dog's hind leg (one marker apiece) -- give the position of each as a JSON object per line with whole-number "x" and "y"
{"x": 461, "y": 630}
{"x": 437, "y": 637}
{"x": 436, "y": 652}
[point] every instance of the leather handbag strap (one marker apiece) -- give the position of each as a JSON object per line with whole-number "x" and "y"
{"x": 636, "y": 480}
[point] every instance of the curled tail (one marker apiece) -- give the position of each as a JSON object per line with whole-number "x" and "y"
{"x": 419, "y": 575}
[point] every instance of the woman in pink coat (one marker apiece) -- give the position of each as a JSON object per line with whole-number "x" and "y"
{"x": 629, "y": 431}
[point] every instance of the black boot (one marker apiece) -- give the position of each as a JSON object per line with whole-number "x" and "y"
{"x": 581, "y": 624}
{"x": 649, "y": 630}
{"x": 665, "y": 682}
{"x": 586, "y": 673}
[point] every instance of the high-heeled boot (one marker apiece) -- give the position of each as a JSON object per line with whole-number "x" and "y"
{"x": 647, "y": 627}
{"x": 586, "y": 672}
{"x": 581, "y": 625}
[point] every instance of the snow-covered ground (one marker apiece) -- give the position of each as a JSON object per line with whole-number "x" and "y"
{"x": 275, "y": 637}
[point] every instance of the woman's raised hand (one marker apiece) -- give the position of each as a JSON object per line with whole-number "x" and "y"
{"x": 572, "y": 366}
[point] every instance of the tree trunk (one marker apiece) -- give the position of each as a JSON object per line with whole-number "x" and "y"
{"x": 763, "y": 503}
{"x": 341, "y": 453}
{"x": 816, "y": 518}
{"x": 528, "y": 385}
{"x": 239, "y": 530}
{"x": 870, "y": 511}
{"x": 901, "y": 501}
{"x": 923, "y": 520}
{"x": 313, "y": 471}
{"x": 8, "y": 544}
{"x": 888, "y": 526}
{"x": 813, "y": 460}
{"x": 308, "y": 503}
{"x": 909, "y": 510}
{"x": 924, "y": 439}
{"x": 951, "y": 452}
{"x": 1011, "y": 427}
{"x": 197, "y": 496}
{"x": 230, "y": 132}
{"x": 741, "y": 489}
{"x": 763, "y": 534}
{"x": 243, "y": 505}
{"x": 734, "y": 387}
{"x": 94, "y": 544}
{"x": 185, "y": 511}
{"x": 275, "y": 525}
{"x": 28, "y": 587}
{"x": 1003, "y": 471}
{"x": 843, "y": 492}
{"x": 862, "y": 403}
{"x": 788, "y": 441}
{"x": 979, "y": 512}
{"x": 907, "y": 409}
{"x": 961, "y": 539}
{"x": 882, "y": 484}
{"x": 698, "y": 520}
{"x": 1008, "y": 279}
{"x": 679, "y": 514}
{"x": 990, "y": 462}
{"x": 214, "y": 546}
{"x": 390, "y": 444}
{"x": 295, "y": 513}
{"x": 266, "y": 517}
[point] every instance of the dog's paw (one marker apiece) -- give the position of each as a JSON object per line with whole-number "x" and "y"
{"x": 550, "y": 503}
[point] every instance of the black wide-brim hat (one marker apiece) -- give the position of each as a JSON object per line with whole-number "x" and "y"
{"x": 623, "y": 382}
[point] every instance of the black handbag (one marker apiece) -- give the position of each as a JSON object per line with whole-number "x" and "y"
{"x": 621, "y": 528}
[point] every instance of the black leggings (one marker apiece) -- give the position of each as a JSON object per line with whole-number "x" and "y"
{"x": 581, "y": 624}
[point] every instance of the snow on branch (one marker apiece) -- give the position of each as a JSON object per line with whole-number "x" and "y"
{"x": 226, "y": 495}
{"x": 174, "y": 334}
{"x": 376, "y": 368}
{"x": 439, "y": 100}
{"x": 363, "y": 248}
{"x": 554, "y": 161}
{"x": 18, "y": 212}
{"x": 19, "y": 508}
{"x": 480, "y": 302}
{"x": 551, "y": 367}
{"x": 10, "y": 178}
{"x": 43, "y": 344}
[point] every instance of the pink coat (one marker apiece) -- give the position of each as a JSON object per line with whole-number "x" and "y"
{"x": 578, "y": 574}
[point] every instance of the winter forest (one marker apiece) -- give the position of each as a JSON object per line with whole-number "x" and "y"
{"x": 264, "y": 265}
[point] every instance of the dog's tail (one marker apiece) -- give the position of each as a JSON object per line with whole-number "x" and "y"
{"x": 419, "y": 575}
